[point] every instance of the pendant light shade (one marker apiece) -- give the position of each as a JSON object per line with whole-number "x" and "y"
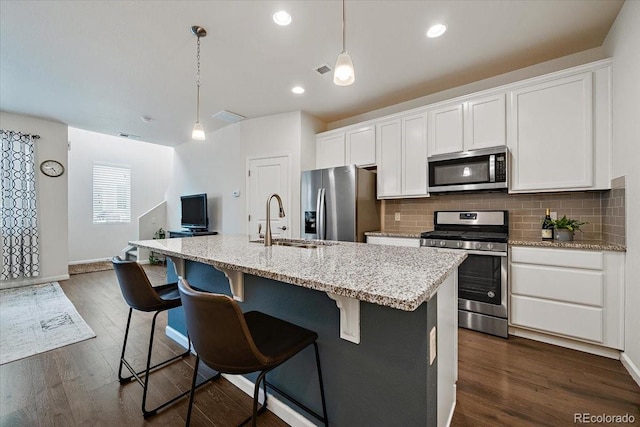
{"x": 344, "y": 74}
{"x": 198, "y": 131}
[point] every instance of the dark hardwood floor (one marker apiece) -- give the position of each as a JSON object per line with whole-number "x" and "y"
{"x": 501, "y": 382}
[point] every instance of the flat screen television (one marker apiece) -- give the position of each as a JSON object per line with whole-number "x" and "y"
{"x": 194, "y": 212}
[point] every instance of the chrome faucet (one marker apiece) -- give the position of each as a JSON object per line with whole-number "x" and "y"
{"x": 267, "y": 232}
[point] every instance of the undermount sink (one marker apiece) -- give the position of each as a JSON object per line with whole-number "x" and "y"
{"x": 297, "y": 243}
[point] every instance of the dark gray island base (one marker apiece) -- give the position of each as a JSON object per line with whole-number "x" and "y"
{"x": 384, "y": 380}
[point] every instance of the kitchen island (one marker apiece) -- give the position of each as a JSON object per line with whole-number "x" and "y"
{"x": 375, "y": 309}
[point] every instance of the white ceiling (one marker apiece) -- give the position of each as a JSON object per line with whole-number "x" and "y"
{"x": 101, "y": 65}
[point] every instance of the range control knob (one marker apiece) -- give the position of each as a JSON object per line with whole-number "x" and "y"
{"x": 442, "y": 243}
{"x": 478, "y": 245}
{"x": 432, "y": 243}
{"x": 489, "y": 246}
{"x": 491, "y": 294}
{"x": 459, "y": 244}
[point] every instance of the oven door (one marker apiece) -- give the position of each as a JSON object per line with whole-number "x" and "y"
{"x": 482, "y": 283}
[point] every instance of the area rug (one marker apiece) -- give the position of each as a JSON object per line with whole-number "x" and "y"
{"x": 38, "y": 318}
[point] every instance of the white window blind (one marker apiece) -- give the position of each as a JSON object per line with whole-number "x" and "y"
{"x": 111, "y": 194}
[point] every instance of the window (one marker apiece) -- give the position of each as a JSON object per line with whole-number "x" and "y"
{"x": 111, "y": 194}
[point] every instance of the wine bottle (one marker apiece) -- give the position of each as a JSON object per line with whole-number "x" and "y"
{"x": 547, "y": 226}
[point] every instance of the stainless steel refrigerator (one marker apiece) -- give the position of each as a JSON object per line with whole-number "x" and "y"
{"x": 338, "y": 204}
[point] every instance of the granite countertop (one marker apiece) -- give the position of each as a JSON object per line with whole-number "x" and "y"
{"x": 391, "y": 276}
{"x": 392, "y": 234}
{"x": 593, "y": 245}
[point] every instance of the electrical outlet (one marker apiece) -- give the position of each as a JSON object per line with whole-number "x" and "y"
{"x": 397, "y": 216}
{"x": 433, "y": 346}
{"x": 554, "y": 215}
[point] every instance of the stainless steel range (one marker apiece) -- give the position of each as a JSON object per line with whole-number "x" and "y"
{"x": 482, "y": 277}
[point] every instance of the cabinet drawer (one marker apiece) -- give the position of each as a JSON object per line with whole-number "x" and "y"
{"x": 394, "y": 241}
{"x": 558, "y": 257}
{"x": 558, "y": 317}
{"x": 574, "y": 286}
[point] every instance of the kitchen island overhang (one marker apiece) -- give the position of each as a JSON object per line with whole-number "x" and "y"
{"x": 403, "y": 295}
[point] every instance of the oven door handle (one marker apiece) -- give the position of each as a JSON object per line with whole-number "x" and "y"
{"x": 487, "y": 253}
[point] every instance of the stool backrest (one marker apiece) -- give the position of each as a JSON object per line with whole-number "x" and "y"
{"x": 219, "y": 332}
{"x": 135, "y": 286}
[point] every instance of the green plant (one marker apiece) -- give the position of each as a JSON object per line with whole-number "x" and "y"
{"x": 567, "y": 224}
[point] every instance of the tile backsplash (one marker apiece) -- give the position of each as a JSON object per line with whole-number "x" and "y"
{"x": 603, "y": 211}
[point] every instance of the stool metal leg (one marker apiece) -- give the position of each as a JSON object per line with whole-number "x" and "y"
{"x": 145, "y": 373}
{"x": 324, "y": 404}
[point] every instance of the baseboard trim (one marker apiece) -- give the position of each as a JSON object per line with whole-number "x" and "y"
{"x": 634, "y": 370}
{"x": 453, "y": 407}
{"x": 89, "y": 261}
{"x": 32, "y": 281}
{"x": 611, "y": 353}
{"x": 276, "y": 406}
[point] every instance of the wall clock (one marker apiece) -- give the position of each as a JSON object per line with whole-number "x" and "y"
{"x": 52, "y": 168}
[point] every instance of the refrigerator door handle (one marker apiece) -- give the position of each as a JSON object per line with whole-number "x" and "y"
{"x": 320, "y": 208}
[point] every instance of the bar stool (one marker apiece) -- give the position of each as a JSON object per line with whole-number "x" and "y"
{"x": 231, "y": 342}
{"x": 140, "y": 295}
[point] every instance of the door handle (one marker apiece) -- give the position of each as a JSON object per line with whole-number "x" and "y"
{"x": 320, "y": 224}
{"x": 284, "y": 227}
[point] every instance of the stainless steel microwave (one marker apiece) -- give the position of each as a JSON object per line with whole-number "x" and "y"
{"x": 484, "y": 169}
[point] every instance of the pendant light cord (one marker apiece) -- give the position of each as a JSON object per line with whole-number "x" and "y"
{"x": 343, "y": 29}
{"x": 198, "y": 85}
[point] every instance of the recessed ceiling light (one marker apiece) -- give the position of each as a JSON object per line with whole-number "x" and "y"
{"x": 436, "y": 30}
{"x": 297, "y": 90}
{"x": 282, "y": 18}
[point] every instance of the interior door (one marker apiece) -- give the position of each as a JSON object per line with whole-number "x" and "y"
{"x": 267, "y": 176}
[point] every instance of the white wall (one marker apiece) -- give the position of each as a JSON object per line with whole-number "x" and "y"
{"x": 52, "y": 196}
{"x": 151, "y": 167}
{"x": 218, "y": 166}
{"x": 622, "y": 44}
{"x": 215, "y": 167}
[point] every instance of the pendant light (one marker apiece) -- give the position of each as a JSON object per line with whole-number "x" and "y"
{"x": 344, "y": 73}
{"x": 198, "y": 131}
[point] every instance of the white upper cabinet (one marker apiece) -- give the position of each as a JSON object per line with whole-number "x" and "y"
{"x": 330, "y": 150}
{"x": 557, "y": 128}
{"x": 559, "y": 133}
{"x": 389, "y": 148}
{"x": 361, "y": 146}
{"x": 402, "y": 157}
{"x": 446, "y": 129}
{"x": 414, "y": 156}
{"x": 469, "y": 125}
{"x": 485, "y": 122}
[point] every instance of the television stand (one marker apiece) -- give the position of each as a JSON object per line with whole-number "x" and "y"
{"x": 191, "y": 233}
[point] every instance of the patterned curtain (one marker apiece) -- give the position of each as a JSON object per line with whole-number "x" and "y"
{"x": 20, "y": 257}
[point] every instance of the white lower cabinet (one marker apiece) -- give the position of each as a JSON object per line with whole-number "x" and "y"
{"x": 394, "y": 241}
{"x": 574, "y": 294}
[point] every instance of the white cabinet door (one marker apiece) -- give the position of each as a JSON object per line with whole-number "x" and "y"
{"x": 330, "y": 150}
{"x": 361, "y": 146}
{"x": 550, "y": 135}
{"x": 414, "y": 156}
{"x": 446, "y": 129}
{"x": 485, "y": 122}
{"x": 572, "y": 293}
{"x": 389, "y": 153}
